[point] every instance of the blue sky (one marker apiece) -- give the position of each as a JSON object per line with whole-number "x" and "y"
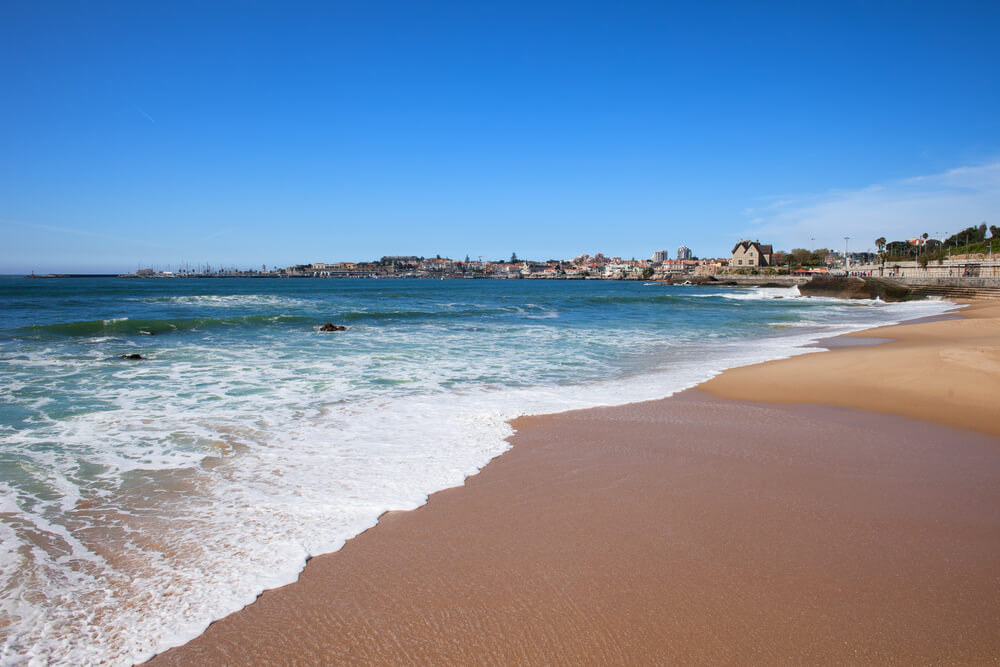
{"x": 252, "y": 133}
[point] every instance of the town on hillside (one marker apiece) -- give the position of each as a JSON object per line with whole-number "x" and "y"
{"x": 747, "y": 258}
{"x": 965, "y": 254}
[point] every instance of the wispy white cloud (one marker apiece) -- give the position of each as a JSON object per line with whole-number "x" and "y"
{"x": 938, "y": 204}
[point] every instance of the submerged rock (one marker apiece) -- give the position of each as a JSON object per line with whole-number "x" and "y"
{"x": 329, "y": 326}
{"x": 132, "y": 357}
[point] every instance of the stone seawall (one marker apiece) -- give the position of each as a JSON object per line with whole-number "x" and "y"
{"x": 949, "y": 282}
{"x": 952, "y": 288}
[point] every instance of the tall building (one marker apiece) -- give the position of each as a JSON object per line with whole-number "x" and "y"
{"x": 660, "y": 255}
{"x": 684, "y": 252}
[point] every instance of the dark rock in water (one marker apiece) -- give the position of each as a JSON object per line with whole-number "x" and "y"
{"x": 851, "y": 287}
{"x": 329, "y": 326}
{"x": 838, "y": 287}
{"x": 132, "y": 357}
{"x": 888, "y": 290}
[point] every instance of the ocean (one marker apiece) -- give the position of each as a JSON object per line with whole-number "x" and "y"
{"x": 142, "y": 499}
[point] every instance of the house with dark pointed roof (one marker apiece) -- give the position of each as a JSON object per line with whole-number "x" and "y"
{"x": 751, "y": 254}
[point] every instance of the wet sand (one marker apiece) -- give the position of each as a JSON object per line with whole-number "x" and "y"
{"x": 695, "y": 529}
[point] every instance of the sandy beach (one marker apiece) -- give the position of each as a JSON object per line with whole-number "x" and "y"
{"x": 832, "y": 508}
{"x": 947, "y": 371}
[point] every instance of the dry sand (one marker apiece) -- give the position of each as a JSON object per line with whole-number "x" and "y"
{"x": 696, "y": 529}
{"x": 945, "y": 371}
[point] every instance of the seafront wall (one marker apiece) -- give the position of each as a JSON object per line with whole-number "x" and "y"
{"x": 950, "y": 282}
{"x": 962, "y": 277}
{"x": 962, "y": 267}
{"x": 955, "y": 288}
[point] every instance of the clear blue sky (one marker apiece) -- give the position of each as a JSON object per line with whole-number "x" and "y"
{"x": 251, "y": 133}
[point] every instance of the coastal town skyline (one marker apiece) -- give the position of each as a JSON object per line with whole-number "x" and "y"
{"x": 598, "y": 264}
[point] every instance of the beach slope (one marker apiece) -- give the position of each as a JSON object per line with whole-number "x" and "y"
{"x": 721, "y": 525}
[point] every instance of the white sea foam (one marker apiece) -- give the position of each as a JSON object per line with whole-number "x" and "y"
{"x": 240, "y": 461}
{"x": 751, "y": 293}
{"x": 229, "y": 300}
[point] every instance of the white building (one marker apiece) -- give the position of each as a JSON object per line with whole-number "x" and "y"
{"x": 660, "y": 255}
{"x": 684, "y": 252}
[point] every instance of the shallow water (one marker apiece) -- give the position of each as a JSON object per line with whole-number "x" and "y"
{"x": 140, "y": 500}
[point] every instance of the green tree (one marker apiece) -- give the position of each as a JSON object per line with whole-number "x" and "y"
{"x": 898, "y": 249}
{"x": 801, "y": 256}
{"x": 969, "y": 235}
{"x": 819, "y": 256}
{"x": 647, "y": 273}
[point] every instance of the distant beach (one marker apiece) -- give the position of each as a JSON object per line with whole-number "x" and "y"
{"x": 837, "y": 507}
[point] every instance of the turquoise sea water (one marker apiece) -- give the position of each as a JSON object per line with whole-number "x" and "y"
{"x": 140, "y": 500}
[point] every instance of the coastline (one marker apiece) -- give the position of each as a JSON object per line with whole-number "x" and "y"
{"x": 702, "y": 527}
